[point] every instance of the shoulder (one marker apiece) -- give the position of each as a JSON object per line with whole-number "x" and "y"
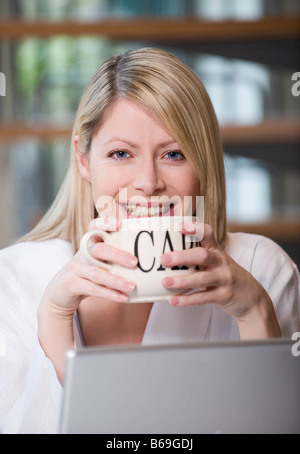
{"x": 247, "y": 241}
{"x": 34, "y": 261}
{"x": 25, "y": 271}
{"x": 55, "y": 249}
{"x": 255, "y": 252}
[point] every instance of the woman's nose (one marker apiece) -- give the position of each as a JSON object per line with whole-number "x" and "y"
{"x": 148, "y": 178}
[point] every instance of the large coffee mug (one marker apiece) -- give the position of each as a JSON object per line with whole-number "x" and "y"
{"x": 147, "y": 238}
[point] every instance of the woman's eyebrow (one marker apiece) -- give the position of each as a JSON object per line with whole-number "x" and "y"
{"x": 169, "y": 143}
{"x": 120, "y": 139}
{"x": 135, "y": 145}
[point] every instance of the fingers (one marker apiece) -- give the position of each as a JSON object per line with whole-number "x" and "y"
{"x": 202, "y": 231}
{"x": 213, "y": 295}
{"x": 106, "y": 252}
{"x": 86, "y": 280}
{"x": 102, "y": 251}
{"x": 96, "y": 280}
{"x": 213, "y": 283}
{"x": 203, "y": 256}
{"x": 198, "y": 280}
{"x": 88, "y": 288}
{"x": 105, "y": 278}
{"x": 103, "y": 283}
{"x": 190, "y": 257}
{"x": 207, "y": 288}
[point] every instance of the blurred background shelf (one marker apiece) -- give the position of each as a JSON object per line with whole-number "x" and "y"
{"x": 244, "y": 52}
{"x": 13, "y": 132}
{"x": 267, "y": 132}
{"x": 285, "y": 232}
{"x": 279, "y": 230}
{"x": 250, "y": 40}
{"x": 187, "y": 29}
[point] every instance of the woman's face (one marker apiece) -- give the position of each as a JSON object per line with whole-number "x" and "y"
{"x": 137, "y": 165}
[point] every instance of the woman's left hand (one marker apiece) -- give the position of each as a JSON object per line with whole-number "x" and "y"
{"x": 222, "y": 281}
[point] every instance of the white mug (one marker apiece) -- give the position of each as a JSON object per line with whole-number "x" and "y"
{"x": 147, "y": 238}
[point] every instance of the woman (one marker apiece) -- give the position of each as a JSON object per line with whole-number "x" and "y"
{"x": 144, "y": 124}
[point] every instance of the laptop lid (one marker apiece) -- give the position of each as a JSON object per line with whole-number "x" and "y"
{"x": 240, "y": 387}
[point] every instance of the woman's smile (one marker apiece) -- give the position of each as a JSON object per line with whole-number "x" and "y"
{"x": 149, "y": 210}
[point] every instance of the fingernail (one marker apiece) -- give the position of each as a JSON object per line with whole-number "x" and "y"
{"x": 131, "y": 261}
{"x": 128, "y": 286}
{"x": 166, "y": 259}
{"x": 122, "y": 297}
{"x": 174, "y": 301}
{"x": 190, "y": 227}
{"x": 186, "y": 225}
{"x": 168, "y": 282}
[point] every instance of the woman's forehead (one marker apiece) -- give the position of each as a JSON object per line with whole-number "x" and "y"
{"x": 126, "y": 121}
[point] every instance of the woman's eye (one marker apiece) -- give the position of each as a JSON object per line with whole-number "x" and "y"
{"x": 119, "y": 154}
{"x": 175, "y": 155}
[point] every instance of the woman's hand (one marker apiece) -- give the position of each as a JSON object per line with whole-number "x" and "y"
{"x": 222, "y": 281}
{"x": 78, "y": 279}
{"x": 74, "y": 282}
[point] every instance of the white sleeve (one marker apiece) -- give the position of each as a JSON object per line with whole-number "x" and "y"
{"x": 279, "y": 276}
{"x": 30, "y": 392}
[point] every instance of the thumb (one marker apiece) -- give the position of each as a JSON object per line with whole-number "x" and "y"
{"x": 209, "y": 240}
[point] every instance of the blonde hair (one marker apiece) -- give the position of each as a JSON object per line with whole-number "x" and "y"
{"x": 167, "y": 89}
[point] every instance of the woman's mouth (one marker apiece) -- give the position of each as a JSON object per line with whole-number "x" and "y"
{"x": 138, "y": 210}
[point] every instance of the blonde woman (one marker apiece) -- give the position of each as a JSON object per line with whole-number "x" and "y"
{"x": 145, "y": 124}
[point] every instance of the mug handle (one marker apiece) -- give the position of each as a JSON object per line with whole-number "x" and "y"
{"x": 84, "y": 247}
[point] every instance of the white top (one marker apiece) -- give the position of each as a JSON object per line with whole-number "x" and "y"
{"x": 30, "y": 393}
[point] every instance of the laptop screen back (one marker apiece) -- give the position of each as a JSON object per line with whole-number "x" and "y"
{"x": 245, "y": 387}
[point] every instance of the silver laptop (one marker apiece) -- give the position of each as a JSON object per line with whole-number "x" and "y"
{"x": 244, "y": 387}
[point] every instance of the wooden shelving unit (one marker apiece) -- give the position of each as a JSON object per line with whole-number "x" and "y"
{"x": 281, "y": 230}
{"x": 156, "y": 29}
{"x": 12, "y": 132}
{"x": 267, "y": 132}
{"x": 249, "y": 40}
{"x": 272, "y": 40}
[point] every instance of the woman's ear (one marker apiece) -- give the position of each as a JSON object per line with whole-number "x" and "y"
{"x": 82, "y": 160}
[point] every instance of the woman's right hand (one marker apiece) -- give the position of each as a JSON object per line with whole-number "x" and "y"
{"x": 76, "y": 281}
